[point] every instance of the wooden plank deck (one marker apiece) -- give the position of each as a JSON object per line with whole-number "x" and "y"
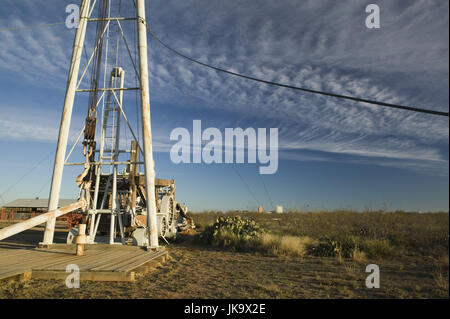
{"x": 100, "y": 262}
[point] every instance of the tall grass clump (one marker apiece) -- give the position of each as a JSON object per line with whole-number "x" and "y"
{"x": 358, "y": 255}
{"x": 285, "y": 245}
{"x": 377, "y": 248}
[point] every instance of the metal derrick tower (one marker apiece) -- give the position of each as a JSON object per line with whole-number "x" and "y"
{"x": 99, "y": 190}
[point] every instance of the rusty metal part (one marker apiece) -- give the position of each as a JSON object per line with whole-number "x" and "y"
{"x": 89, "y": 132}
{"x": 140, "y": 220}
{"x": 80, "y": 178}
{"x": 91, "y": 119}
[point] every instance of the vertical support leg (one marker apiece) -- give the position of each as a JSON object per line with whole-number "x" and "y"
{"x": 133, "y": 173}
{"x": 112, "y": 227}
{"x": 146, "y": 127}
{"x": 65, "y": 120}
{"x": 122, "y": 232}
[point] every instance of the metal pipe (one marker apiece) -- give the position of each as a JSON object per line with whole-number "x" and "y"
{"x": 102, "y": 163}
{"x": 108, "y": 89}
{"x": 113, "y": 19}
{"x": 112, "y": 227}
{"x": 65, "y": 120}
{"x": 122, "y": 230}
{"x": 128, "y": 123}
{"x": 109, "y": 151}
{"x": 146, "y": 126}
{"x": 118, "y": 72}
{"x": 37, "y": 220}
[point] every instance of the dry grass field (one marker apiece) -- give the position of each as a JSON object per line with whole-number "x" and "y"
{"x": 307, "y": 255}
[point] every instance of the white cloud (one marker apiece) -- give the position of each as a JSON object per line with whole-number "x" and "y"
{"x": 318, "y": 45}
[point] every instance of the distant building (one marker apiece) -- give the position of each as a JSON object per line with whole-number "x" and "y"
{"x": 23, "y": 208}
{"x": 260, "y": 209}
{"x": 279, "y": 209}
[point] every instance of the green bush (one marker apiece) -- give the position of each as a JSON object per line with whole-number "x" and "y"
{"x": 343, "y": 246}
{"x": 377, "y": 248}
{"x": 326, "y": 248}
{"x": 231, "y": 232}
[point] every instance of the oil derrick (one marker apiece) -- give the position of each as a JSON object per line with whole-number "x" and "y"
{"x": 121, "y": 204}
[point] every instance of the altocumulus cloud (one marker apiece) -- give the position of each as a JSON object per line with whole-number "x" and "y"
{"x": 316, "y": 44}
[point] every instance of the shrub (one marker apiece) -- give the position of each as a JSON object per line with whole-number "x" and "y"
{"x": 341, "y": 247}
{"x": 326, "y": 248}
{"x": 231, "y": 232}
{"x": 377, "y": 248}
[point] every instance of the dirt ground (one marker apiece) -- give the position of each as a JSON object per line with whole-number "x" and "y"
{"x": 197, "y": 271}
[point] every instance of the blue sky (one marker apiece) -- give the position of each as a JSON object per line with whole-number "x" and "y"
{"x": 334, "y": 154}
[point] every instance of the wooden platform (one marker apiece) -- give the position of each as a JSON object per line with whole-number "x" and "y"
{"x": 100, "y": 262}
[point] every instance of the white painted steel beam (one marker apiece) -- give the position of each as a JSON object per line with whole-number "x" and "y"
{"x": 65, "y": 120}
{"x": 40, "y": 219}
{"x": 146, "y": 126}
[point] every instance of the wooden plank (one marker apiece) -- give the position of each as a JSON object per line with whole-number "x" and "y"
{"x": 55, "y": 261}
{"x": 42, "y": 258}
{"x": 85, "y": 275}
{"x": 6, "y": 256}
{"x": 120, "y": 262}
{"x": 118, "y": 258}
{"x": 145, "y": 268}
{"x": 17, "y": 260}
{"x": 112, "y": 258}
{"x": 26, "y": 252}
{"x": 142, "y": 261}
{"x": 11, "y": 271}
{"x": 95, "y": 265}
{"x": 5, "y": 253}
{"x": 61, "y": 264}
{"x": 80, "y": 263}
{"x": 16, "y": 275}
{"x": 36, "y": 256}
